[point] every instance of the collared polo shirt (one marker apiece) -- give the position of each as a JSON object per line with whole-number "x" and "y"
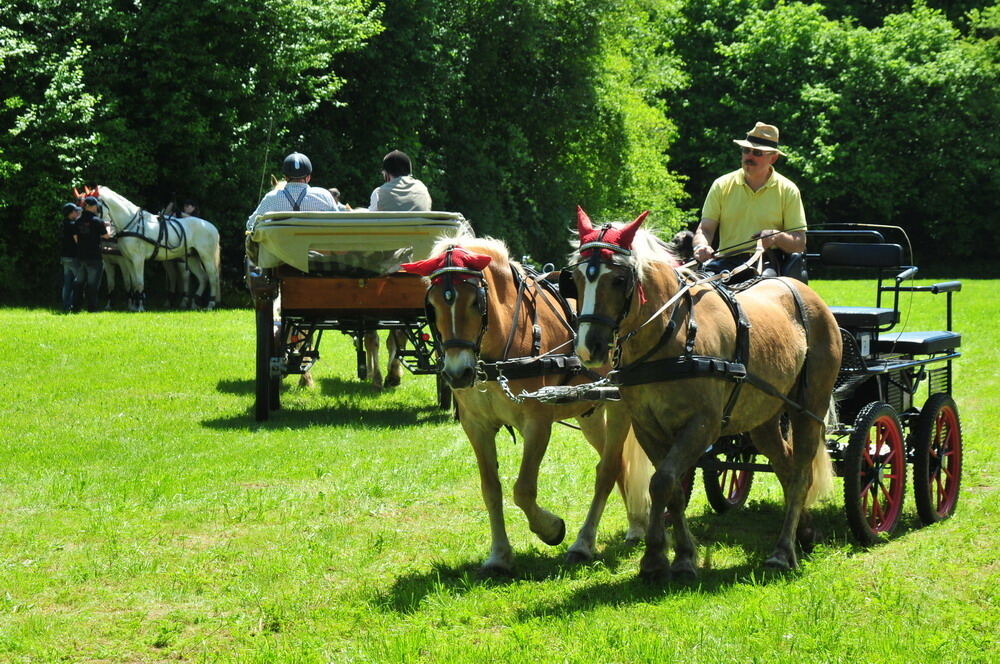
{"x": 741, "y": 212}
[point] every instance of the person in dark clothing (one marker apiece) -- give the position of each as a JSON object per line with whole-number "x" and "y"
{"x": 90, "y": 230}
{"x": 72, "y": 274}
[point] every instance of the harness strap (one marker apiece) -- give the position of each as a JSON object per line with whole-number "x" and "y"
{"x": 534, "y": 367}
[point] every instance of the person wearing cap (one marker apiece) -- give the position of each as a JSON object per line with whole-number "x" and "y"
{"x": 751, "y": 203}
{"x": 89, "y": 231}
{"x": 296, "y": 195}
{"x": 401, "y": 192}
{"x": 72, "y": 273}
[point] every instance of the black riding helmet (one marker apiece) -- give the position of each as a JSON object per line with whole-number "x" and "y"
{"x": 70, "y": 207}
{"x": 296, "y": 165}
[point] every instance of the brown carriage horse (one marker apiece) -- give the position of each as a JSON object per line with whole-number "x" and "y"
{"x": 690, "y": 373}
{"x": 490, "y": 318}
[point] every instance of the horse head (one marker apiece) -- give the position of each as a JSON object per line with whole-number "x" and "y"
{"x": 457, "y": 309}
{"x": 606, "y": 278}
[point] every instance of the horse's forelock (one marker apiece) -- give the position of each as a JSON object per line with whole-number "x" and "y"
{"x": 492, "y": 247}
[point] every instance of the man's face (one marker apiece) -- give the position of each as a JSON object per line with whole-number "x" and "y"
{"x": 757, "y": 162}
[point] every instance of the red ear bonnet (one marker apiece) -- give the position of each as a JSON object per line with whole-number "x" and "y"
{"x": 621, "y": 237}
{"x": 460, "y": 258}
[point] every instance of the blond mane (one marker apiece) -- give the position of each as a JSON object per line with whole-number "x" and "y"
{"x": 488, "y": 246}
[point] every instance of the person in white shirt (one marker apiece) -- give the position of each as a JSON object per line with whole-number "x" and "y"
{"x": 296, "y": 195}
{"x": 401, "y": 192}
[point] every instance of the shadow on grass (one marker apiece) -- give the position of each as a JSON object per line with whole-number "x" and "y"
{"x": 351, "y": 403}
{"x": 752, "y": 529}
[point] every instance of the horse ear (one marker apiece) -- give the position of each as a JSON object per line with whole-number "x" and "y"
{"x": 628, "y": 233}
{"x": 477, "y": 261}
{"x": 423, "y": 268}
{"x": 583, "y": 225}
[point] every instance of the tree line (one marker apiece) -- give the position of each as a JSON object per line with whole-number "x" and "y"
{"x": 513, "y": 113}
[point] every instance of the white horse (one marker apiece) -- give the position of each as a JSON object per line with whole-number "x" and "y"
{"x": 143, "y": 236}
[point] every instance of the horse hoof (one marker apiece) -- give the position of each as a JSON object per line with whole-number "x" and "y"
{"x": 306, "y": 380}
{"x": 377, "y": 383}
{"x": 778, "y": 563}
{"x": 392, "y": 381}
{"x": 655, "y": 575}
{"x": 559, "y": 537}
{"x": 578, "y": 557}
{"x": 633, "y": 540}
{"x": 684, "y": 570}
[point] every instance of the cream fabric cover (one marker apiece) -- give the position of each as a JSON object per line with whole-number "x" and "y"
{"x": 296, "y": 238}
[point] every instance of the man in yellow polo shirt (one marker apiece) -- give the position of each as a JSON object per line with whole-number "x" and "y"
{"x": 750, "y": 203}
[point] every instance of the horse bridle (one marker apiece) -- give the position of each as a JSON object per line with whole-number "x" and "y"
{"x": 594, "y": 261}
{"x": 448, "y": 276}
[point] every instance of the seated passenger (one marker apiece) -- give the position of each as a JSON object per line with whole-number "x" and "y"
{"x": 401, "y": 191}
{"x": 296, "y": 195}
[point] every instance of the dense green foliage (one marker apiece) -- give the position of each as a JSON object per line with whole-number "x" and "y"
{"x": 512, "y": 112}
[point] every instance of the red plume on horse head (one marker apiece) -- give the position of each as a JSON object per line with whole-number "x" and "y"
{"x": 619, "y": 236}
{"x": 459, "y": 258}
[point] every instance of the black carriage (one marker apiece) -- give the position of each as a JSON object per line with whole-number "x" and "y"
{"x": 311, "y": 272}
{"x": 886, "y": 421}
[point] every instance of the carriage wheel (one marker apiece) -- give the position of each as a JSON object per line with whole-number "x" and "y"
{"x": 874, "y": 473}
{"x": 265, "y": 340}
{"x": 443, "y": 393}
{"x": 937, "y": 462}
{"x": 728, "y": 489}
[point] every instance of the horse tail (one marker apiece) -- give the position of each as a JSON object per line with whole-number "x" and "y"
{"x": 637, "y": 470}
{"x": 822, "y": 472}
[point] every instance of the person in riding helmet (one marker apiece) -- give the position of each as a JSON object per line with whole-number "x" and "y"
{"x": 751, "y": 203}
{"x": 296, "y": 195}
{"x": 401, "y": 192}
{"x": 72, "y": 272}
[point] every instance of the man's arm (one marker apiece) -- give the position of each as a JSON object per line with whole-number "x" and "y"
{"x": 703, "y": 236}
{"x": 788, "y": 241}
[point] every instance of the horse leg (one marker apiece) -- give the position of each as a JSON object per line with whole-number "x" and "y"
{"x": 666, "y": 492}
{"x": 109, "y": 279}
{"x": 501, "y": 558}
{"x": 137, "y": 264}
{"x": 371, "y": 359}
{"x": 607, "y": 432}
{"x": 804, "y": 470}
{"x": 198, "y": 268}
{"x": 395, "y": 342}
{"x": 210, "y": 269}
{"x": 549, "y": 527}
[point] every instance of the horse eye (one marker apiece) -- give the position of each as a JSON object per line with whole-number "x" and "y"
{"x": 619, "y": 281}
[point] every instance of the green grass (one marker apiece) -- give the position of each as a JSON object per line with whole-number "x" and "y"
{"x": 145, "y": 517}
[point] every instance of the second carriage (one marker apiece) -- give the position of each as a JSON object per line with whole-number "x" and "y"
{"x": 312, "y": 272}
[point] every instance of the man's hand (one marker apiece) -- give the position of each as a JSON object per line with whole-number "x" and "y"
{"x": 768, "y": 238}
{"x": 703, "y": 252}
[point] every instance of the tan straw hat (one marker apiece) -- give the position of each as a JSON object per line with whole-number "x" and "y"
{"x": 761, "y": 137}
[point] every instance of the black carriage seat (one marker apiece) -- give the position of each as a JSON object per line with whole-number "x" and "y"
{"x": 881, "y": 255}
{"x": 918, "y": 343}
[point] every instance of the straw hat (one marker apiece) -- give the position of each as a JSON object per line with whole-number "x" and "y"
{"x": 761, "y": 137}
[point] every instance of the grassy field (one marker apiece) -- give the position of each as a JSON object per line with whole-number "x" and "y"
{"x": 145, "y": 517}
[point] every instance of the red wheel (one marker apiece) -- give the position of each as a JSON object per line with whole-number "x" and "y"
{"x": 937, "y": 458}
{"x": 728, "y": 489}
{"x": 874, "y": 473}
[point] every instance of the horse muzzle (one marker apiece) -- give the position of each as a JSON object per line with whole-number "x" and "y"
{"x": 592, "y": 344}
{"x": 459, "y": 369}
